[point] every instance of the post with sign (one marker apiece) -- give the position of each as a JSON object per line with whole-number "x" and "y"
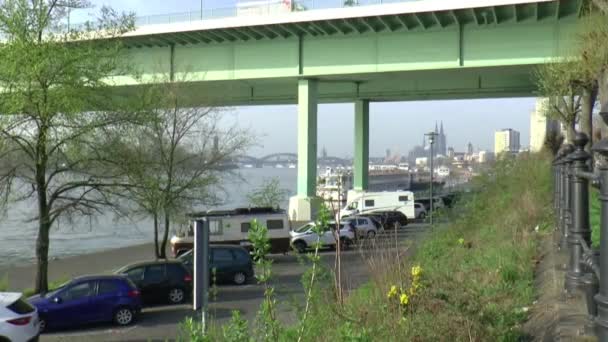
{"x": 201, "y": 269}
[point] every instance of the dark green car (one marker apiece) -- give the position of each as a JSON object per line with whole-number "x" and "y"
{"x": 232, "y": 264}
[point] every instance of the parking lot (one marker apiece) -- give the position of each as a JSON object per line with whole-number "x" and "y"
{"x": 162, "y": 322}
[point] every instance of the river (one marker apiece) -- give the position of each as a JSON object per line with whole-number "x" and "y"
{"x": 18, "y": 236}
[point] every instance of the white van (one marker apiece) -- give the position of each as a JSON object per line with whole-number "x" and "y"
{"x": 232, "y": 227}
{"x": 367, "y": 202}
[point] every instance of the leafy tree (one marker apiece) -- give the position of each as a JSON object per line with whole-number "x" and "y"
{"x": 269, "y": 194}
{"x": 175, "y": 160}
{"x": 55, "y": 106}
{"x": 559, "y": 81}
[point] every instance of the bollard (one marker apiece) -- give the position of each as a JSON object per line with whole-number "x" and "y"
{"x": 578, "y": 225}
{"x": 601, "y": 298}
{"x": 565, "y": 217}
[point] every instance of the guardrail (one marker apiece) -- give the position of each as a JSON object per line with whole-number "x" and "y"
{"x": 227, "y": 12}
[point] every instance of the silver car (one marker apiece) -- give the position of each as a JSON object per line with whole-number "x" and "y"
{"x": 304, "y": 237}
{"x": 365, "y": 226}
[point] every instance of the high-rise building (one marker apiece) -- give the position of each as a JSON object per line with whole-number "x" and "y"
{"x": 470, "y": 148}
{"x": 540, "y": 125}
{"x": 506, "y": 140}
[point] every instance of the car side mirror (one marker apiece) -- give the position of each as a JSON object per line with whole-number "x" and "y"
{"x": 308, "y": 232}
{"x": 57, "y": 300}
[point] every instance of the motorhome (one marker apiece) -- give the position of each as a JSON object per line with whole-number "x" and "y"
{"x": 368, "y": 202}
{"x": 232, "y": 227}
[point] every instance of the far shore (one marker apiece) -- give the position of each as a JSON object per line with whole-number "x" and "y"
{"x": 22, "y": 277}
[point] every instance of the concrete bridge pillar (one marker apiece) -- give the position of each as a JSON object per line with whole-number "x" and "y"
{"x": 361, "y": 167}
{"x": 304, "y": 205}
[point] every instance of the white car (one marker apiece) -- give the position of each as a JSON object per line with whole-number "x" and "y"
{"x": 304, "y": 238}
{"x": 420, "y": 210}
{"x": 18, "y": 318}
{"x": 365, "y": 226}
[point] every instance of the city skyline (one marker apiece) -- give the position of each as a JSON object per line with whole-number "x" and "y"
{"x": 276, "y": 126}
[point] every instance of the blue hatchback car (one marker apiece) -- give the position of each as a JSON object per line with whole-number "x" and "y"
{"x": 89, "y": 299}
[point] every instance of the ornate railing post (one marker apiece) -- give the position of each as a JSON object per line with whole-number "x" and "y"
{"x": 565, "y": 202}
{"x": 601, "y": 298}
{"x": 579, "y": 213}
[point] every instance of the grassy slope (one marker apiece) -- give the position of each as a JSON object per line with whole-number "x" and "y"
{"x": 474, "y": 289}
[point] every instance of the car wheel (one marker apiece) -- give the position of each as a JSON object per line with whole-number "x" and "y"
{"x": 371, "y": 234}
{"x": 422, "y": 215}
{"x": 41, "y": 325}
{"x": 300, "y": 246}
{"x": 176, "y": 296}
{"x": 239, "y": 278}
{"x": 124, "y": 316}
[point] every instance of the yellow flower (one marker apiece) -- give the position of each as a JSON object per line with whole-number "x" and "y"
{"x": 461, "y": 241}
{"x": 416, "y": 271}
{"x": 404, "y": 299}
{"x": 392, "y": 292}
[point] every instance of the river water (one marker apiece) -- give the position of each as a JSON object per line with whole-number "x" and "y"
{"x": 18, "y": 236}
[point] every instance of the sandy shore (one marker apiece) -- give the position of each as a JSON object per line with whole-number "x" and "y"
{"x": 22, "y": 277}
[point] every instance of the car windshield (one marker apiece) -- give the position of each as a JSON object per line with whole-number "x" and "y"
{"x": 54, "y": 292}
{"x": 303, "y": 228}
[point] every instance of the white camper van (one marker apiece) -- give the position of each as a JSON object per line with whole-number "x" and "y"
{"x": 232, "y": 227}
{"x": 368, "y": 202}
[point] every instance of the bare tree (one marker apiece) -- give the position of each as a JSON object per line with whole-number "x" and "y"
{"x": 177, "y": 159}
{"x": 54, "y": 105}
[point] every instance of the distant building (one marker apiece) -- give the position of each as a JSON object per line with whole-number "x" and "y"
{"x": 506, "y": 140}
{"x": 540, "y": 125}
{"x": 450, "y": 154}
{"x": 485, "y": 156}
{"x": 470, "y": 148}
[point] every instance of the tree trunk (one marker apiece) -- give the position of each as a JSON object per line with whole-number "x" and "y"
{"x": 44, "y": 219}
{"x": 156, "y": 250}
{"x": 603, "y": 96}
{"x": 570, "y": 132}
{"x": 586, "y": 123}
{"x": 42, "y": 255}
{"x": 165, "y": 238}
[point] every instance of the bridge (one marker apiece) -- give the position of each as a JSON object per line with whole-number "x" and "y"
{"x": 287, "y": 158}
{"x": 390, "y": 52}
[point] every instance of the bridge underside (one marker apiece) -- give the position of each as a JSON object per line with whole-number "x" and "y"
{"x": 455, "y": 83}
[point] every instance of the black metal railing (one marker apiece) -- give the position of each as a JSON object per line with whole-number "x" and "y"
{"x": 587, "y": 271}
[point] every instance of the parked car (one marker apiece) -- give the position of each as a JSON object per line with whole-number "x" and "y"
{"x": 365, "y": 226}
{"x": 18, "y": 319}
{"x": 389, "y": 219}
{"x": 420, "y": 210}
{"x": 304, "y": 238}
{"x": 165, "y": 281}
{"x": 89, "y": 299}
{"x": 231, "y": 263}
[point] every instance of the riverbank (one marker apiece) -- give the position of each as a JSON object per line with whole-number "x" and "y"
{"x": 22, "y": 277}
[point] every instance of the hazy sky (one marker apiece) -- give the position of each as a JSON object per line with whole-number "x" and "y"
{"x": 395, "y": 125}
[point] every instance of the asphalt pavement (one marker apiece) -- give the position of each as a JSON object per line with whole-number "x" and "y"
{"x": 162, "y": 323}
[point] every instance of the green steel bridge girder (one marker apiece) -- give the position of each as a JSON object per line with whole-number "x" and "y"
{"x": 466, "y": 61}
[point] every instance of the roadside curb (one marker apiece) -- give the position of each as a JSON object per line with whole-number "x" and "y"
{"x": 555, "y": 316}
